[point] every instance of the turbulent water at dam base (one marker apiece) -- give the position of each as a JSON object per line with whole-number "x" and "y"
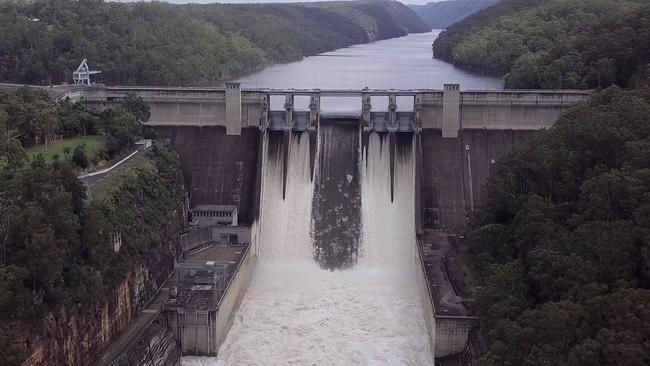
{"x": 335, "y": 281}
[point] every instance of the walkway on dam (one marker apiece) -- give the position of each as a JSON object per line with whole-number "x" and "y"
{"x": 54, "y": 91}
{"x": 92, "y": 180}
{"x": 437, "y": 256}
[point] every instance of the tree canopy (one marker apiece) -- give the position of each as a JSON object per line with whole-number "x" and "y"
{"x": 57, "y": 248}
{"x": 154, "y": 43}
{"x": 554, "y": 44}
{"x": 563, "y": 249}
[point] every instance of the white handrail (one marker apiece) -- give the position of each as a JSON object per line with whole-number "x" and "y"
{"x": 109, "y": 168}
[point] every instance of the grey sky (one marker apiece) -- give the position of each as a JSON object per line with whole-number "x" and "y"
{"x": 271, "y": 1}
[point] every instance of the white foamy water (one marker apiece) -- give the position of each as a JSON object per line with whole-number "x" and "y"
{"x": 295, "y": 313}
{"x": 388, "y": 238}
{"x": 301, "y": 315}
{"x": 285, "y": 223}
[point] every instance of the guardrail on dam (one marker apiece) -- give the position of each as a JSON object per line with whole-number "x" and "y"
{"x": 448, "y": 110}
{"x": 461, "y": 134}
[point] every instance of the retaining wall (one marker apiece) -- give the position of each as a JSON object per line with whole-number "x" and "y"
{"x": 448, "y": 335}
{"x": 427, "y": 302}
{"x": 230, "y": 301}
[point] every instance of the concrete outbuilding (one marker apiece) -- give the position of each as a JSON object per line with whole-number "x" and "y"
{"x": 215, "y": 215}
{"x": 143, "y": 144}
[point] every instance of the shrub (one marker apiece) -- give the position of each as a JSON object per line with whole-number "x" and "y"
{"x": 79, "y": 157}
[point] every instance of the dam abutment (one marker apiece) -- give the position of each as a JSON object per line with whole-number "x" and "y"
{"x": 455, "y": 172}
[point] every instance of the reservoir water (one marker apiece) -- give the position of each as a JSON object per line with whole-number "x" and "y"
{"x": 398, "y": 63}
{"x": 335, "y": 282}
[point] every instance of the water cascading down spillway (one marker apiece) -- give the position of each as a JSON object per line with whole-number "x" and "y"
{"x": 336, "y": 204}
{"x": 335, "y": 282}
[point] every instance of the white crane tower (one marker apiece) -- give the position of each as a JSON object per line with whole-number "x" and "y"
{"x": 82, "y": 75}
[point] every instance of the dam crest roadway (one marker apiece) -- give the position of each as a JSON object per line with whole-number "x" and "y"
{"x": 448, "y": 110}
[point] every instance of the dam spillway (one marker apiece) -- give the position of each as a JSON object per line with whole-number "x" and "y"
{"x": 388, "y": 200}
{"x": 336, "y": 207}
{"x": 331, "y": 286}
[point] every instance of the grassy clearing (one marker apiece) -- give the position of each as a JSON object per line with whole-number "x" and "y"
{"x": 103, "y": 190}
{"x": 93, "y": 145}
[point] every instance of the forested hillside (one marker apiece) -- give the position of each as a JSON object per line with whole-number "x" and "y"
{"x": 442, "y": 14}
{"x": 563, "y": 251}
{"x": 56, "y": 244}
{"x": 150, "y": 43}
{"x": 554, "y": 43}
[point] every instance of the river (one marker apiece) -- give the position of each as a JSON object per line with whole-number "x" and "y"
{"x": 397, "y": 63}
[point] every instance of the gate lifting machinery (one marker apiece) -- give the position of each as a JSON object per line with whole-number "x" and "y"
{"x": 82, "y": 75}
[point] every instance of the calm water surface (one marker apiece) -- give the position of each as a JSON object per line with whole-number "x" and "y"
{"x": 398, "y": 63}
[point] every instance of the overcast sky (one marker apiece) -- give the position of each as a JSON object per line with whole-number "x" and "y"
{"x": 272, "y": 1}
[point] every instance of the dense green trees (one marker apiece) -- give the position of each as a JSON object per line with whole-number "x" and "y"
{"x": 554, "y": 43}
{"x": 122, "y": 127}
{"x": 56, "y": 249}
{"x": 563, "y": 249}
{"x": 74, "y": 120}
{"x": 33, "y": 118}
{"x": 11, "y": 354}
{"x": 149, "y": 43}
{"x": 29, "y": 117}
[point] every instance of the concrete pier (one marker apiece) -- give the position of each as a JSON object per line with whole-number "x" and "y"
{"x": 451, "y": 111}
{"x": 233, "y": 109}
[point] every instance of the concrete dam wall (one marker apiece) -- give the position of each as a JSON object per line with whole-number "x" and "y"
{"x": 461, "y": 133}
{"x": 218, "y": 168}
{"x": 455, "y": 172}
{"x": 222, "y": 169}
{"x": 449, "y": 110}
